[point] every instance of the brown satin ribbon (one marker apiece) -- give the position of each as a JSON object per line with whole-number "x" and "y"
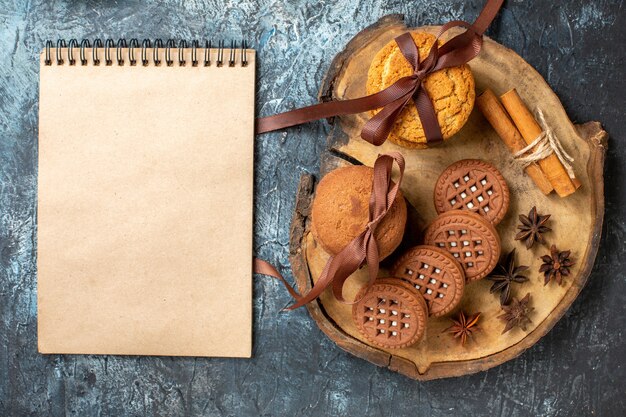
{"x": 363, "y": 249}
{"x": 457, "y": 51}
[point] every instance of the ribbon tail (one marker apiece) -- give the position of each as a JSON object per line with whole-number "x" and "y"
{"x": 326, "y": 277}
{"x": 382, "y": 179}
{"x": 265, "y": 268}
{"x": 384, "y": 194}
{"x": 486, "y": 16}
{"x": 334, "y": 108}
{"x": 462, "y": 49}
{"x": 399, "y": 159}
{"x": 458, "y": 45}
{"x": 372, "y": 258}
{"x": 336, "y": 271}
{"x": 340, "y": 279}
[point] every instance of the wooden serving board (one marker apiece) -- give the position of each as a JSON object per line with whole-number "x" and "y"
{"x": 576, "y": 220}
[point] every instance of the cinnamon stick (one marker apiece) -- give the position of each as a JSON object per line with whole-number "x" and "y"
{"x": 530, "y": 130}
{"x": 496, "y": 115}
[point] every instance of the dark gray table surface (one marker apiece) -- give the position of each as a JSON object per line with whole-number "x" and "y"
{"x": 576, "y": 370}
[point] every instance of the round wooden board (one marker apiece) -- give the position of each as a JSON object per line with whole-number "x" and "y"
{"x": 576, "y": 220}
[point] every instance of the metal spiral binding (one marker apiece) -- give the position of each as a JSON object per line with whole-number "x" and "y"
{"x": 60, "y": 44}
{"x": 158, "y": 43}
{"x": 133, "y": 44}
{"x": 84, "y": 44}
{"x": 181, "y": 53}
{"x": 146, "y": 44}
{"x": 171, "y": 43}
{"x": 207, "y": 53}
{"x": 194, "y": 53}
{"x": 108, "y": 44}
{"x": 97, "y": 43}
{"x": 220, "y": 53}
{"x": 121, "y": 43}
{"x": 73, "y": 43}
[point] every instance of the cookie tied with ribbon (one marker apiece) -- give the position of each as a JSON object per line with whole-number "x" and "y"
{"x": 362, "y": 249}
{"x": 340, "y": 211}
{"x": 452, "y": 91}
{"x": 409, "y": 89}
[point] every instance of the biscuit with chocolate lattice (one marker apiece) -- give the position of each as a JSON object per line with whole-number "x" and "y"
{"x": 436, "y": 274}
{"x": 391, "y": 314}
{"x": 472, "y": 240}
{"x": 473, "y": 185}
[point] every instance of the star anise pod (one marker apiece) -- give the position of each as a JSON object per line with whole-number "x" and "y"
{"x": 464, "y": 327}
{"x": 532, "y": 228}
{"x": 556, "y": 265}
{"x": 506, "y": 273}
{"x": 516, "y": 314}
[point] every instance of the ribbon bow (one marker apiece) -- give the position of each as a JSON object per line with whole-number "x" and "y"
{"x": 363, "y": 249}
{"x": 457, "y": 51}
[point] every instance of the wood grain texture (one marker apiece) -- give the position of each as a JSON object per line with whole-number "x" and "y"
{"x": 576, "y": 370}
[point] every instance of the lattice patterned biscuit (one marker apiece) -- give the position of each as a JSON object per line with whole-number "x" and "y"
{"x": 473, "y": 185}
{"x": 472, "y": 240}
{"x": 391, "y": 314}
{"x": 436, "y": 274}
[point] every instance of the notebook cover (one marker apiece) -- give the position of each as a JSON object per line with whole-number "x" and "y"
{"x": 145, "y": 209}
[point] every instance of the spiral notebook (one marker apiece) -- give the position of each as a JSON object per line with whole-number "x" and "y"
{"x": 145, "y": 198}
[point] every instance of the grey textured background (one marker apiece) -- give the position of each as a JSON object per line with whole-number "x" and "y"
{"x": 577, "y": 369}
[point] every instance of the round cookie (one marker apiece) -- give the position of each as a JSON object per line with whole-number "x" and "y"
{"x": 390, "y": 314}
{"x": 473, "y": 185}
{"x": 472, "y": 240}
{"x": 435, "y": 274}
{"x": 451, "y": 90}
{"x": 341, "y": 211}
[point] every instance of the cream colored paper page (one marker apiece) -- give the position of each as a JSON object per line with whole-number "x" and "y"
{"x": 145, "y": 209}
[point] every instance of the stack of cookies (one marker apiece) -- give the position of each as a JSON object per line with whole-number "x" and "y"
{"x": 451, "y": 91}
{"x": 341, "y": 211}
{"x": 471, "y": 197}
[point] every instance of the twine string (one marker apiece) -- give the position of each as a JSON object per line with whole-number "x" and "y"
{"x": 543, "y": 146}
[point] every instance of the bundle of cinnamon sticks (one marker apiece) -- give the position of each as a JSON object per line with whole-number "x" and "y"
{"x": 518, "y": 128}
